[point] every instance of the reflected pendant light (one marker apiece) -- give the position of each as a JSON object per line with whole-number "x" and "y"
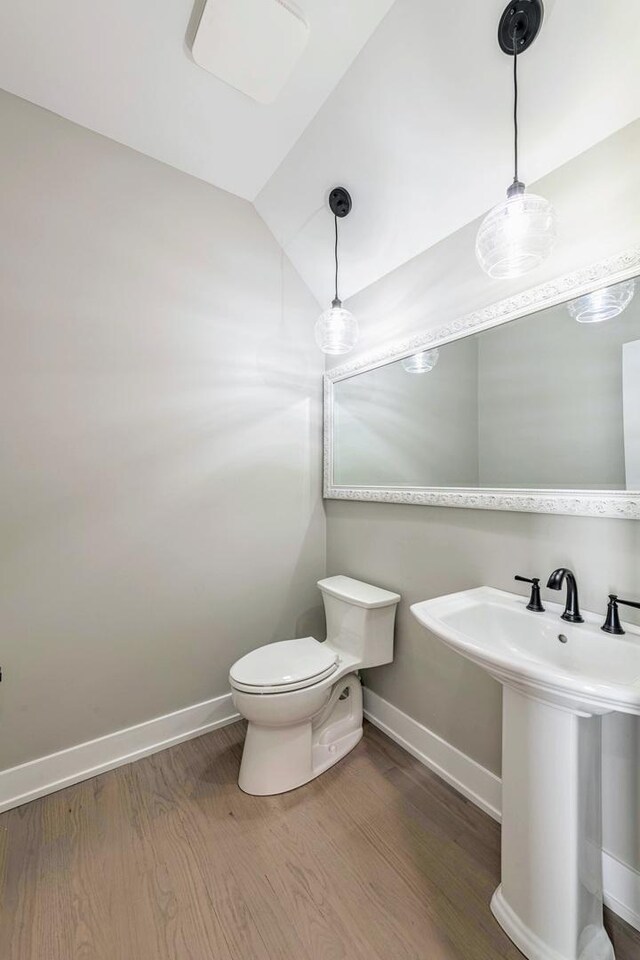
{"x": 519, "y": 233}
{"x": 421, "y": 362}
{"x": 337, "y": 329}
{"x": 604, "y": 304}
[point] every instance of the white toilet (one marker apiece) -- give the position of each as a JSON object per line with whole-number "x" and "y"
{"x": 302, "y": 698}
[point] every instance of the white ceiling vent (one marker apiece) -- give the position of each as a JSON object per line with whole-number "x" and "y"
{"x": 253, "y": 45}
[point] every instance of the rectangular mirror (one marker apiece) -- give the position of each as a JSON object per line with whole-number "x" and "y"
{"x": 531, "y": 410}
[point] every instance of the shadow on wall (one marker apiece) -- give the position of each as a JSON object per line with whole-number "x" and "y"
{"x": 621, "y": 787}
{"x": 192, "y": 27}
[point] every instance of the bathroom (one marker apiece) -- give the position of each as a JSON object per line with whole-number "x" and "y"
{"x": 236, "y": 721}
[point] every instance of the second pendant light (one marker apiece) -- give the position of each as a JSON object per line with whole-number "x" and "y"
{"x": 336, "y": 328}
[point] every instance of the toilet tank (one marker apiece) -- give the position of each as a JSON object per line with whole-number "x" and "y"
{"x": 360, "y": 619}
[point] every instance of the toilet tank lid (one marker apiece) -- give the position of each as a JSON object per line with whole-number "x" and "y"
{"x": 357, "y": 592}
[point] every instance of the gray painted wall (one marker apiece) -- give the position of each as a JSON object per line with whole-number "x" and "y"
{"x": 423, "y": 552}
{"x": 160, "y": 472}
{"x": 550, "y": 401}
{"x": 393, "y": 427}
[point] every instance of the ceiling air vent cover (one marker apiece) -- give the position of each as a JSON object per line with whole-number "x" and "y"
{"x": 253, "y": 45}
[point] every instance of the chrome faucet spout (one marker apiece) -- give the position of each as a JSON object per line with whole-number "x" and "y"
{"x": 572, "y": 607}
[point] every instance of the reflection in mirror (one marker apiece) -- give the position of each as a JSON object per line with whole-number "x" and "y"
{"x": 421, "y": 362}
{"x": 547, "y": 401}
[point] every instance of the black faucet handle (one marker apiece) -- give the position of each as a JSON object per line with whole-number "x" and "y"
{"x": 535, "y": 603}
{"x": 612, "y": 622}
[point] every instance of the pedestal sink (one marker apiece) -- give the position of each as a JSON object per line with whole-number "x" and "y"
{"x": 558, "y": 679}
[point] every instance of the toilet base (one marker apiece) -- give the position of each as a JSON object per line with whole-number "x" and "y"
{"x": 277, "y": 759}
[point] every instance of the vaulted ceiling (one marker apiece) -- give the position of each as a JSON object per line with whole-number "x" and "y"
{"x": 420, "y": 128}
{"x": 124, "y": 69}
{"x": 407, "y": 104}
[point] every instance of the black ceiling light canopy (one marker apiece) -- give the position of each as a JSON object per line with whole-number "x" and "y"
{"x": 521, "y": 22}
{"x": 340, "y": 202}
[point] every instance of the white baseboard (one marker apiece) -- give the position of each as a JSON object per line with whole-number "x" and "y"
{"x": 472, "y": 780}
{"x": 621, "y": 889}
{"x": 468, "y": 777}
{"x": 57, "y": 770}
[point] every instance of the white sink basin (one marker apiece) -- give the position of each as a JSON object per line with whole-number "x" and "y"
{"x": 592, "y": 671}
{"x": 558, "y": 678}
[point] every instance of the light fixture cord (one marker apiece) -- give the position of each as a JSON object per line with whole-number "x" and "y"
{"x": 515, "y": 104}
{"x": 335, "y": 253}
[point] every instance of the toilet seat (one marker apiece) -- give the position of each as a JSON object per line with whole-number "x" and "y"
{"x": 284, "y": 666}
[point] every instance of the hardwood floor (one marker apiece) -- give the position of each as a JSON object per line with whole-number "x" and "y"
{"x": 166, "y": 859}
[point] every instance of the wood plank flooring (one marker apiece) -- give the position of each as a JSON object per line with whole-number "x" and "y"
{"x": 165, "y": 859}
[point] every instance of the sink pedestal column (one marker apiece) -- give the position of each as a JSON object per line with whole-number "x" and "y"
{"x": 550, "y": 899}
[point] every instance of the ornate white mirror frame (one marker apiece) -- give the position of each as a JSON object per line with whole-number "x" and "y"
{"x": 624, "y": 504}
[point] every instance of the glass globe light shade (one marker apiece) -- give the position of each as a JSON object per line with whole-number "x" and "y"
{"x": 602, "y": 304}
{"x": 421, "y": 362}
{"x": 336, "y": 330}
{"x": 516, "y": 235}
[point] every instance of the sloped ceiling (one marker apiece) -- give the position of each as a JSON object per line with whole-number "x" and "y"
{"x": 124, "y": 69}
{"x": 408, "y": 104}
{"x": 420, "y": 131}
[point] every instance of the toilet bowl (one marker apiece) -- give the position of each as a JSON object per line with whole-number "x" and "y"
{"x": 302, "y": 698}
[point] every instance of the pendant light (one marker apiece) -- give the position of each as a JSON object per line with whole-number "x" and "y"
{"x": 337, "y": 329}
{"x": 604, "y": 304}
{"x": 519, "y": 233}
